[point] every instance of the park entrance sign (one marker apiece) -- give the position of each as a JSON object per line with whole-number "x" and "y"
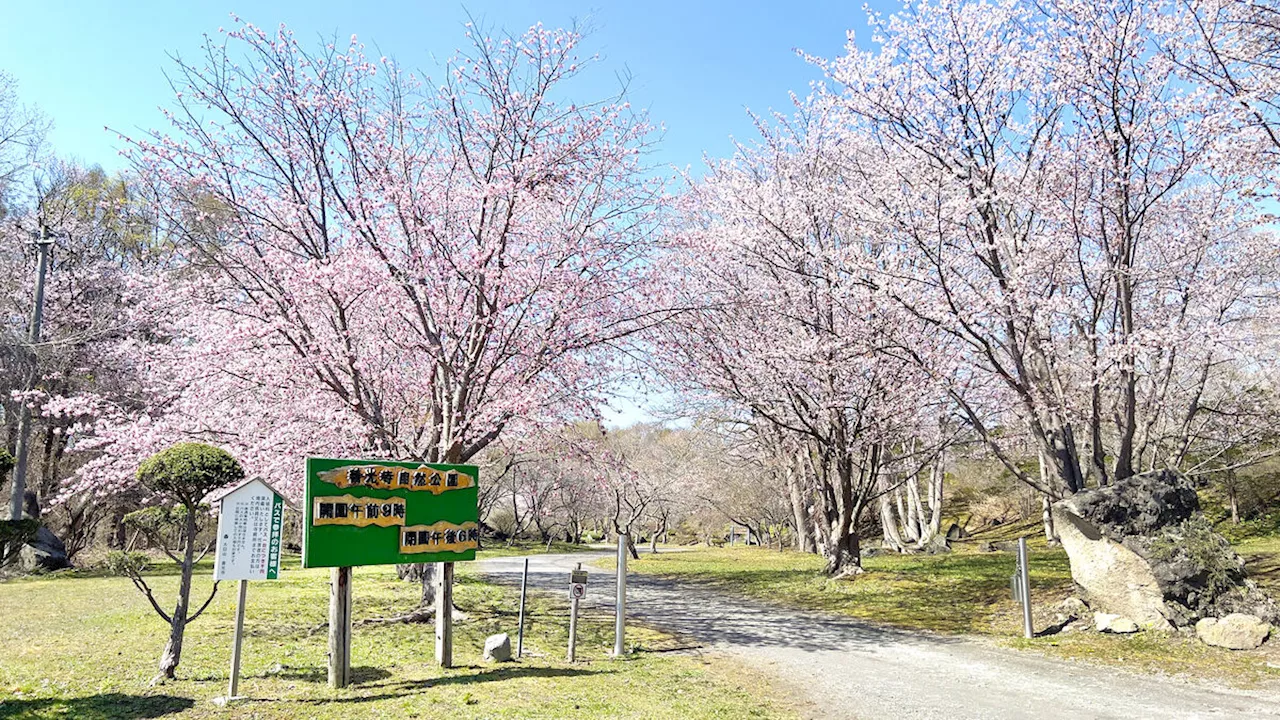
{"x": 378, "y": 512}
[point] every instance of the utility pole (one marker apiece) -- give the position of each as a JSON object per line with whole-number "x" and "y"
{"x": 43, "y": 245}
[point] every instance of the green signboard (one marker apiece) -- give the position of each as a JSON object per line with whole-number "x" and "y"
{"x": 378, "y": 512}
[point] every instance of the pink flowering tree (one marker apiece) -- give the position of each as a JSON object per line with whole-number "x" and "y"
{"x": 378, "y": 266}
{"x": 1077, "y": 222}
{"x": 381, "y": 267}
{"x": 794, "y": 331}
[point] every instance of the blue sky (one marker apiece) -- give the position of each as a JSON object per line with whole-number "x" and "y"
{"x": 696, "y": 66}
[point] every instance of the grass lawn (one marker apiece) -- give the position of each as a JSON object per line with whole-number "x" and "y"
{"x": 86, "y": 646}
{"x": 967, "y": 592}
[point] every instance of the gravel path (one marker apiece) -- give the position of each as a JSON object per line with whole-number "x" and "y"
{"x": 842, "y": 668}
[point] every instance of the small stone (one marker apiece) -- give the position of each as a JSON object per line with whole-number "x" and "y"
{"x": 1118, "y": 624}
{"x": 1123, "y": 626}
{"x": 497, "y": 648}
{"x": 1236, "y": 631}
{"x": 1073, "y": 607}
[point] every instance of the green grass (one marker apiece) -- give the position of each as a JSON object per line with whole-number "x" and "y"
{"x": 952, "y": 593}
{"x": 86, "y": 647}
{"x": 968, "y": 593}
{"x": 526, "y": 547}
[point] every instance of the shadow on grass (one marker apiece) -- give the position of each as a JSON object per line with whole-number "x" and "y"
{"x": 97, "y": 707}
{"x": 412, "y": 687}
{"x": 1264, "y": 569}
{"x": 359, "y": 675}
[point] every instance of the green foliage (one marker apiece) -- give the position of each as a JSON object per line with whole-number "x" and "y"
{"x": 1195, "y": 540}
{"x": 125, "y": 564}
{"x": 187, "y": 472}
{"x": 165, "y": 525}
{"x": 18, "y": 532}
{"x": 7, "y": 462}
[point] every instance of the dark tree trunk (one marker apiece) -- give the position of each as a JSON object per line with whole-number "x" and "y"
{"x": 173, "y": 649}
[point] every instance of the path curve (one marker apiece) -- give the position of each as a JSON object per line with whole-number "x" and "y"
{"x": 847, "y": 669}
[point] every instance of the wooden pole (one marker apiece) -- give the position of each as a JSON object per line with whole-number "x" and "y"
{"x": 232, "y": 690}
{"x": 524, "y": 584}
{"x": 339, "y": 627}
{"x": 444, "y": 614}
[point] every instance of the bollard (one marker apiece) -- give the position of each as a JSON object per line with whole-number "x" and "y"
{"x": 1024, "y": 581}
{"x": 620, "y": 610}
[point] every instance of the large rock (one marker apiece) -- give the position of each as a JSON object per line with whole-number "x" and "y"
{"x": 44, "y": 552}
{"x": 1141, "y": 548}
{"x": 1236, "y": 631}
{"x": 497, "y": 648}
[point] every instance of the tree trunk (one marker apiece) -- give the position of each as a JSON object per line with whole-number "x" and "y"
{"x": 937, "y": 475}
{"x": 424, "y": 573}
{"x": 1050, "y": 532}
{"x": 844, "y": 556}
{"x": 173, "y": 649}
{"x": 889, "y": 525}
{"x": 800, "y": 515}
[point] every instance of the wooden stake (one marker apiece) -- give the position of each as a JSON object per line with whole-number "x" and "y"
{"x": 444, "y": 614}
{"x": 339, "y": 627}
{"x": 235, "y": 647}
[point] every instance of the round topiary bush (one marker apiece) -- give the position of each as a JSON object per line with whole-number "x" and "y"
{"x": 187, "y": 472}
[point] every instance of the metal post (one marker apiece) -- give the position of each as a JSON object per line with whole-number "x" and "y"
{"x": 524, "y": 584}
{"x": 620, "y": 611}
{"x": 339, "y": 627}
{"x": 573, "y": 627}
{"x": 1025, "y": 576}
{"x": 235, "y": 647}
{"x": 24, "y": 413}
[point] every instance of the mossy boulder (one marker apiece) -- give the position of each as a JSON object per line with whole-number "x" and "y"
{"x": 1143, "y": 549}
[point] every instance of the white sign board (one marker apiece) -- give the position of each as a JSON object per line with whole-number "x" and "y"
{"x": 249, "y": 529}
{"x": 577, "y": 591}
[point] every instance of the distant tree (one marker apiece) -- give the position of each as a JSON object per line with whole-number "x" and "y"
{"x": 180, "y": 477}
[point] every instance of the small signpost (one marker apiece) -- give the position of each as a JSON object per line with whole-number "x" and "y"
{"x": 380, "y": 512}
{"x": 577, "y": 591}
{"x": 250, "y": 525}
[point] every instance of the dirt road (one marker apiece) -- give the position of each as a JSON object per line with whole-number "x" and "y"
{"x": 846, "y": 669}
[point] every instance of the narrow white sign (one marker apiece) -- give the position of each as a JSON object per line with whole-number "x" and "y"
{"x": 249, "y": 531}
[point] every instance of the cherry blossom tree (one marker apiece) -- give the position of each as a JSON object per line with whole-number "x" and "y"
{"x": 793, "y": 325}
{"x": 376, "y": 266}
{"x": 1074, "y": 217}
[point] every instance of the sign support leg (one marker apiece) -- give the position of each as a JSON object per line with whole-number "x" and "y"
{"x": 339, "y": 627}
{"x": 232, "y": 690}
{"x": 524, "y": 584}
{"x": 620, "y": 610}
{"x": 444, "y": 614}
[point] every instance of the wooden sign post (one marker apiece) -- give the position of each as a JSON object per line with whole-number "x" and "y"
{"x": 250, "y": 525}
{"x": 380, "y": 512}
{"x": 577, "y": 591}
{"x": 339, "y": 627}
